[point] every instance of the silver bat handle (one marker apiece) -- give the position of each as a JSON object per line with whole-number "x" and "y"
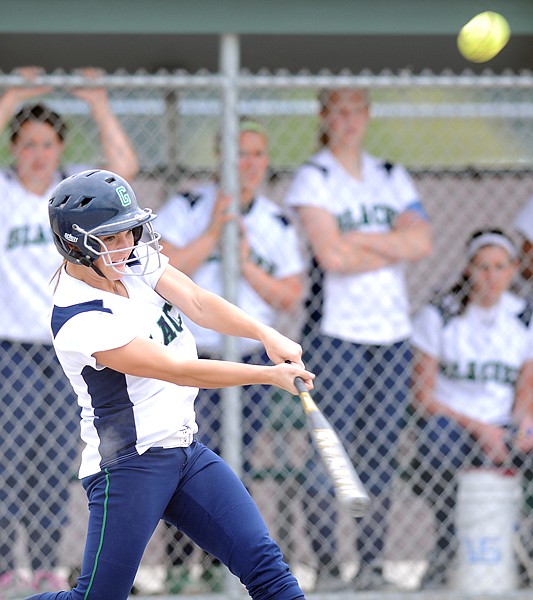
{"x": 300, "y": 385}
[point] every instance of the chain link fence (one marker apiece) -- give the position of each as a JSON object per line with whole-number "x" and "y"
{"x": 467, "y": 143}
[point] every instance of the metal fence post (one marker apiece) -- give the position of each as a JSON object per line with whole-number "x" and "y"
{"x": 231, "y": 398}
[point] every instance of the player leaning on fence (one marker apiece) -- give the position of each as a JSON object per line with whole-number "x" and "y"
{"x": 270, "y": 278}
{"x": 39, "y": 412}
{"x": 271, "y": 268}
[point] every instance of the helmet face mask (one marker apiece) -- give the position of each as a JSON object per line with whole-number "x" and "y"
{"x": 93, "y": 204}
{"x": 137, "y": 254}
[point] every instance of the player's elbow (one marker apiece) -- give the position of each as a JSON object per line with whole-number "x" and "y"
{"x": 331, "y": 261}
{"x": 426, "y": 247}
{"x": 292, "y": 298}
{"x": 423, "y": 243}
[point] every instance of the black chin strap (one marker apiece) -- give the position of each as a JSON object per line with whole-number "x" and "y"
{"x": 86, "y": 261}
{"x": 97, "y": 271}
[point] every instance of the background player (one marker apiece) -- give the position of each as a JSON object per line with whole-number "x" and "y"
{"x": 271, "y": 272}
{"x": 39, "y": 423}
{"x": 271, "y": 266}
{"x": 364, "y": 223}
{"x": 472, "y": 384}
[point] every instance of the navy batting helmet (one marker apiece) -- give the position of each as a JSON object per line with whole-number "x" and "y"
{"x": 92, "y": 204}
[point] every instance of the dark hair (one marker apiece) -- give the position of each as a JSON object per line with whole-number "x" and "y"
{"x": 461, "y": 290}
{"x": 39, "y": 113}
{"x": 479, "y": 232}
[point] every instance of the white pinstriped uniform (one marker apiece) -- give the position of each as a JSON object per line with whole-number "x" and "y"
{"x": 272, "y": 239}
{"x": 373, "y": 307}
{"x": 480, "y": 353}
{"x": 121, "y": 416}
{"x": 28, "y": 259}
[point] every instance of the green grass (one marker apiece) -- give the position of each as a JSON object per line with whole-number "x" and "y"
{"x": 416, "y": 142}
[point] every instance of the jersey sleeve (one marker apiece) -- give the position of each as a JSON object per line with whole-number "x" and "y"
{"x": 523, "y": 222}
{"x": 406, "y": 190}
{"x": 417, "y": 208}
{"x": 427, "y": 327}
{"x": 290, "y": 257}
{"x": 4, "y": 179}
{"x": 308, "y": 188}
{"x": 529, "y": 348}
{"x": 93, "y": 331}
{"x": 174, "y": 220}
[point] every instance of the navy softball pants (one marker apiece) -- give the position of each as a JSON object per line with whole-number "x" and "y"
{"x": 363, "y": 390}
{"x": 39, "y": 437}
{"x": 193, "y": 489}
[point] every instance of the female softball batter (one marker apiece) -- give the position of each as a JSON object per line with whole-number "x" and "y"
{"x": 133, "y": 364}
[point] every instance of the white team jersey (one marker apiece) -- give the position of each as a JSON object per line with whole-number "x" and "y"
{"x": 373, "y": 307}
{"x": 273, "y": 244}
{"x": 121, "y": 415}
{"x": 480, "y": 353}
{"x": 28, "y": 259}
{"x": 523, "y": 222}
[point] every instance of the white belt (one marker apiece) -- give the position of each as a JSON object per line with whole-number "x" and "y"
{"x": 181, "y": 439}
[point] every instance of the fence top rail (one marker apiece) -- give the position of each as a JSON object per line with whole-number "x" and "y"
{"x": 404, "y": 79}
{"x": 278, "y": 79}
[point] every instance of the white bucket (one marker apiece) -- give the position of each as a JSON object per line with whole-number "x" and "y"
{"x": 487, "y": 512}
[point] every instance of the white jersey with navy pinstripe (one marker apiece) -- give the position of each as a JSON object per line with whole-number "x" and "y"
{"x": 28, "y": 259}
{"x": 371, "y": 307}
{"x": 480, "y": 353}
{"x": 121, "y": 415}
{"x": 273, "y": 244}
